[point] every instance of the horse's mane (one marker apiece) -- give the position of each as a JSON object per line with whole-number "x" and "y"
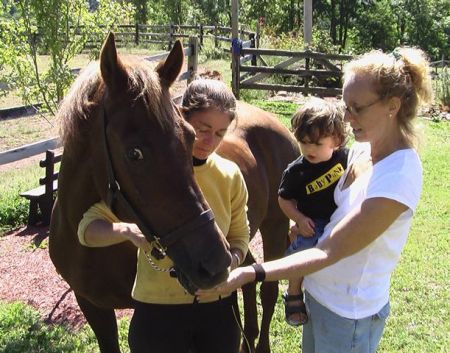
{"x": 87, "y": 92}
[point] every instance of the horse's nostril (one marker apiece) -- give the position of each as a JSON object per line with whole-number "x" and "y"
{"x": 214, "y": 264}
{"x": 211, "y": 268}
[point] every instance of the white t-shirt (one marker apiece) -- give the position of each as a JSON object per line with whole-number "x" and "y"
{"x": 358, "y": 286}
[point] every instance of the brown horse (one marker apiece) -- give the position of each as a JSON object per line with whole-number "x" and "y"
{"x": 262, "y": 147}
{"x": 127, "y": 144}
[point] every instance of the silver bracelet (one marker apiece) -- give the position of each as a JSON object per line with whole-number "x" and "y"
{"x": 238, "y": 259}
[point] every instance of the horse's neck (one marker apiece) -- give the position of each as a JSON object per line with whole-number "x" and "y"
{"x": 77, "y": 186}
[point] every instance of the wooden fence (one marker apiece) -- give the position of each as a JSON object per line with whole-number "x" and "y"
{"x": 443, "y": 64}
{"x": 166, "y": 35}
{"x": 15, "y": 154}
{"x": 314, "y": 73}
{"x": 441, "y": 81}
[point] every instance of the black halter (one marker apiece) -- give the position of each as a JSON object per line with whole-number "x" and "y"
{"x": 114, "y": 194}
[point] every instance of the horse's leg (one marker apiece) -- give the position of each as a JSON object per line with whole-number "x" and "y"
{"x": 251, "y": 330}
{"x": 104, "y": 324}
{"x": 274, "y": 235}
{"x": 268, "y": 294}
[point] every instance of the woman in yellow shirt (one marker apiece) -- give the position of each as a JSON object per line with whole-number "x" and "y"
{"x": 166, "y": 317}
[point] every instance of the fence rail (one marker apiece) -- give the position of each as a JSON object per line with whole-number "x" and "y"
{"x": 167, "y": 34}
{"x": 29, "y": 150}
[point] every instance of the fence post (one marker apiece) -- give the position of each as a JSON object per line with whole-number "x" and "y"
{"x": 251, "y": 36}
{"x": 307, "y": 59}
{"x": 215, "y": 36}
{"x": 136, "y": 34}
{"x": 201, "y": 35}
{"x": 235, "y": 48}
{"x": 192, "y": 58}
{"x": 47, "y": 204}
{"x": 307, "y": 19}
{"x": 171, "y": 36}
{"x": 258, "y": 33}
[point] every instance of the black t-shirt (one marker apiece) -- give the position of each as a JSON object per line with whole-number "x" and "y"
{"x": 312, "y": 185}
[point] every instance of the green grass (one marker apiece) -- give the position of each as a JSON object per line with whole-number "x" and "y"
{"x": 22, "y": 330}
{"x": 420, "y": 285}
{"x": 25, "y": 130}
{"x": 13, "y": 208}
{"x": 283, "y": 110}
{"x": 420, "y": 290}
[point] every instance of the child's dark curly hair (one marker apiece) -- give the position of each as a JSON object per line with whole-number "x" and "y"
{"x": 317, "y": 119}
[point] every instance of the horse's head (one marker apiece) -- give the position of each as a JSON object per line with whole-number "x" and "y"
{"x": 145, "y": 152}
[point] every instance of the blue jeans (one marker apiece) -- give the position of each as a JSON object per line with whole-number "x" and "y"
{"x": 302, "y": 243}
{"x": 327, "y": 332}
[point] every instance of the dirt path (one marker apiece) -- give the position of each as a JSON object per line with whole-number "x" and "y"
{"x": 27, "y": 274}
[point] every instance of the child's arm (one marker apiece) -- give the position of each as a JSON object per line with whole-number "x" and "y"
{"x": 305, "y": 224}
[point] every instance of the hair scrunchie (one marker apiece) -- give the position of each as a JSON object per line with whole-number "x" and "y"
{"x": 396, "y": 54}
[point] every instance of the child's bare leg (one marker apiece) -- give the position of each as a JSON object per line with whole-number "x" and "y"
{"x": 295, "y": 311}
{"x": 294, "y": 287}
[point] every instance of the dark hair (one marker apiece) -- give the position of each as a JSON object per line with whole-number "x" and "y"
{"x": 317, "y": 119}
{"x": 205, "y": 94}
{"x": 405, "y": 73}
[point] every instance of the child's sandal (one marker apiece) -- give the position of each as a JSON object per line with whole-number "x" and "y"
{"x": 294, "y": 308}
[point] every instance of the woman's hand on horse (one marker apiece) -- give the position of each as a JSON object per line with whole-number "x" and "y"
{"x": 132, "y": 232}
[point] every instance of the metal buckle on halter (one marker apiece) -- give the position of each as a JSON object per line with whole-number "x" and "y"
{"x": 114, "y": 186}
{"x": 158, "y": 251}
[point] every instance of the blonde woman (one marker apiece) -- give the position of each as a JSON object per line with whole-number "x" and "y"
{"x": 347, "y": 275}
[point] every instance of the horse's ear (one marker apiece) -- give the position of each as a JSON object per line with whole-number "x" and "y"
{"x": 111, "y": 68}
{"x": 170, "y": 69}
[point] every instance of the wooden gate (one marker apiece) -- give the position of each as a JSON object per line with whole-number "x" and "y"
{"x": 315, "y": 73}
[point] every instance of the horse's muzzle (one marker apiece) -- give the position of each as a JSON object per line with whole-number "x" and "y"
{"x": 190, "y": 287}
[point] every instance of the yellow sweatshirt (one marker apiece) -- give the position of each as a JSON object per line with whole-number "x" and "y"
{"x": 224, "y": 188}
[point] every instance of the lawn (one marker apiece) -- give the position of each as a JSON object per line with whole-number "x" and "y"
{"x": 420, "y": 291}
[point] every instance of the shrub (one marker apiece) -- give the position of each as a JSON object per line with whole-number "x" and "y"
{"x": 441, "y": 83}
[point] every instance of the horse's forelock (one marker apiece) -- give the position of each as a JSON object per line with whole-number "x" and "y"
{"x": 144, "y": 80}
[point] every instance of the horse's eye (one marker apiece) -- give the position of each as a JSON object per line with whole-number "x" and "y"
{"x": 135, "y": 154}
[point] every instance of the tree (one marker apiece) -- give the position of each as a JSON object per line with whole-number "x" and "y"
{"x": 376, "y": 26}
{"x": 141, "y": 11}
{"x": 57, "y": 28}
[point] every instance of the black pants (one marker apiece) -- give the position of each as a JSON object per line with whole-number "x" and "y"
{"x": 186, "y": 328}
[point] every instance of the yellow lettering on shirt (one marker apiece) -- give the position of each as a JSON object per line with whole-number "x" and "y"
{"x": 325, "y": 180}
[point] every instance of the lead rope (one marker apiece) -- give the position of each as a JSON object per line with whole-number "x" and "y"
{"x": 238, "y": 322}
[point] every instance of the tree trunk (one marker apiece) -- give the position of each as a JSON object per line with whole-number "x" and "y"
{"x": 341, "y": 21}
{"x": 333, "y": 22}
{"x": 291, "y": 14}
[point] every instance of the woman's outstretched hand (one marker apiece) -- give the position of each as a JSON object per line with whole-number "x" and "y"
{"x": 236, "y": 279}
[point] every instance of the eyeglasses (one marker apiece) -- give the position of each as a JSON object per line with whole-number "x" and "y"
{"x": 356, "y": 111}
